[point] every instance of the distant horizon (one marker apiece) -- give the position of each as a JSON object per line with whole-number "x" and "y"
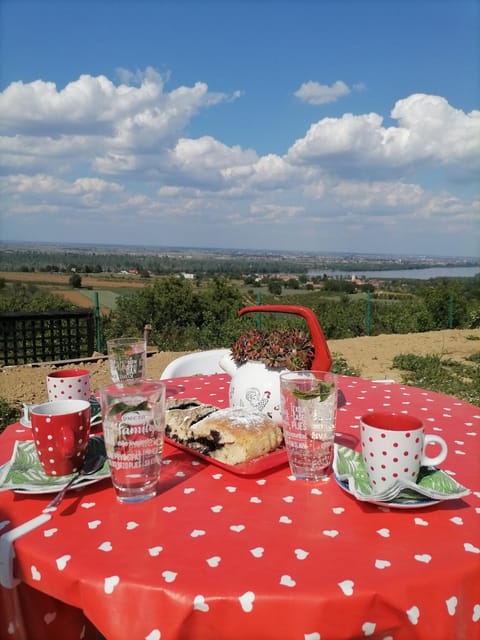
{"x": 371, "y": 255}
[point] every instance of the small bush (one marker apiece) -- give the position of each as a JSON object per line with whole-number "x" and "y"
{"x": 8, "y": 414}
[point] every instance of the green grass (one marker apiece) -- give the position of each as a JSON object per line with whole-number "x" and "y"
{"x": 437, "y": 373}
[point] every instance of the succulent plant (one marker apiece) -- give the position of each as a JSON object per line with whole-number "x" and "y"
{"x": 279, "y": 349}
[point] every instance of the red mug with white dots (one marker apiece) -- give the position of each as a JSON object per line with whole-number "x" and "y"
{"x": 68, "y": 384}
{"x": 394, "y": 448}
{"x": 60, "y": 431}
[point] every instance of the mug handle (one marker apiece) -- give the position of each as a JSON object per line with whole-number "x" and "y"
{"x": 431, "y": 462}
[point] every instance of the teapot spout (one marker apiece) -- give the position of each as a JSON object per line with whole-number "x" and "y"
{"x": 228, "y": 364}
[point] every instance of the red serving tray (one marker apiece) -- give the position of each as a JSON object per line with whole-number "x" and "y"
{"x": 254, "y": 467}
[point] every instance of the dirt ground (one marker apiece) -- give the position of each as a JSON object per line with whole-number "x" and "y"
{"x": 372, "y": 356}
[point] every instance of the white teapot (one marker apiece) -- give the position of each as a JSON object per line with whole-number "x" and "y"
{"x": 256, "y": 386}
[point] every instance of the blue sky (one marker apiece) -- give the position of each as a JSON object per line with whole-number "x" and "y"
{"x": 303, "y": 126}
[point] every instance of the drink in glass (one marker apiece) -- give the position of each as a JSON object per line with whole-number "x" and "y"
{"x": 309, "y": 407}
{"x": 134, "y": 429}
{"x": 128, "y": 359}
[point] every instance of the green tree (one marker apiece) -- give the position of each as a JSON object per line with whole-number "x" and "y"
{"x": 75, "y": 281}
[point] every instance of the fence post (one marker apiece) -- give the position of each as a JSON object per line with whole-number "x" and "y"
{"x": 97, "y": 322}
{"x": 450, "y": 311}
{"x": 369, "y": 313}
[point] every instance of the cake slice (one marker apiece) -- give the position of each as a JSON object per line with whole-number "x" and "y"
{"x": 181, "y": 414}
{"x": 235, "y": 435}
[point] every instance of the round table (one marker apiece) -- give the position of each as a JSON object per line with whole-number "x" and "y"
{"x": 226, "y": 556}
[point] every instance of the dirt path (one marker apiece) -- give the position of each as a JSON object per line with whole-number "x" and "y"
{"x": 371, "y": 356}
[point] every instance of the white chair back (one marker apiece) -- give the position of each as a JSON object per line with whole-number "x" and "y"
{"x": 198, "y": 363}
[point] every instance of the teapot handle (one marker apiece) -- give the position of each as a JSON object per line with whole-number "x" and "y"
{"x": 322, "y": 360}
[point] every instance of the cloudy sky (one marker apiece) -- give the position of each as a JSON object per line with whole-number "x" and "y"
{"x": 304, "y": 125}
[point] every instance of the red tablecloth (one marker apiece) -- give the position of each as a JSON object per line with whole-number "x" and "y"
{"x": 217, "y": 555}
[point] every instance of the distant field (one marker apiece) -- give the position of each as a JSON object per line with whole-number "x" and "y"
{"x": 61, "y": 279}
{"x": 108, "y": 288}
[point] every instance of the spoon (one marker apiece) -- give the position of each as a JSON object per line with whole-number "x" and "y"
{"x": 90, "y": 466}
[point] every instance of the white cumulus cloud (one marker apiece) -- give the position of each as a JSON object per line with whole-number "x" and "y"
{"x": 316, "y": 93}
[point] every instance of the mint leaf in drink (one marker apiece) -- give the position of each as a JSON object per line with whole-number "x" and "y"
{"x": 321, "y": 390}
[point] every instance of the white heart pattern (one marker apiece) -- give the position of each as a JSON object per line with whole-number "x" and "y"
{"x": 237, "y": 527}
{"x": 257, "y": 552}
{"x": 169, "y": 576}
{"x": 217, "y": 476}
{"x": 368, "y": 628}
{"x": 476, "y": 613}
{"x": 87, "y": 505}
{"x": 154, "y": 635}
{"x": 217, "y": 508}
{"x": 312, "y": 636}
{"x": 255, "y": 500}
{"x": 382, "y": 564}
{"x": 423, "y": 557}
{"x": 413, "y": 615}
{"x": 421, "y": 522}
{"x": 132, "y": 525}
{"x": 471, "y": 548}
{"x": 285, "y": 520}
{"x": 110, "y": 583}
{"x": 301, "y": 554}
{"x": 287, "y": 581}
{"x": 154, "y": 551}
{"x": 105, "y": 546}
{"x": 316, "y": 492}
{"x": 35, "y": 573}
{"x": 93, "y": 524}
{"x": 231, "y": 489}
{"x": 169, "y": 509}
{"x": 247, "y": 600}
{"x": 338, "y": 510}
{"x": 385, "y": 533}
{"x": 62, "y": 562}
{"x": 48, "y": 533}
{"x": 331, "y": 533}
{"x": 261, "y": 481}
{"x": 347, "y": 587}
{"x": 49, "y": 617}
{"x": 451, "y": 605}
{"x": 288, "y": 499}
{"x": 456, "y": 520}
{"x": 199, "y": 604}
{"x": 214, "y": 561}
{"x": 189, "y": 490}
{"x": 196, "y": 533}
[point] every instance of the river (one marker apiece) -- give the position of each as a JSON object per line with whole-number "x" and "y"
{"x": 410, "y": 274}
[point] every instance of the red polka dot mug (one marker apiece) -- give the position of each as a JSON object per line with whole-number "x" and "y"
{"x": 60, "y": 431}
{"x": 393, "y": 448}
{"x": 68, "y": 384}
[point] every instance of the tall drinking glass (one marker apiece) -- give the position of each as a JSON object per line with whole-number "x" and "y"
{"x": 309, "y": 409}
{"x": 134, "y": 429}
{"x": 128, "y": 359}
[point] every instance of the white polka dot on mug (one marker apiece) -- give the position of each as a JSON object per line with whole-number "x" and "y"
{"x": 68, "y": 384}
{"x": 394, "y": 448}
